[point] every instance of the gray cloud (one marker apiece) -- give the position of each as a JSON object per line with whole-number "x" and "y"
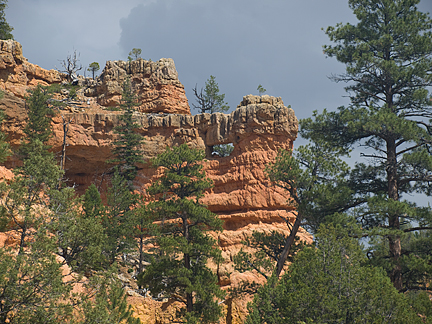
{"x": 276, "y": 43}
{"x": 243, "y": 43}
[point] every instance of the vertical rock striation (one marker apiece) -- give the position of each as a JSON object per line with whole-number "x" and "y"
{"x": 242, "y": 195}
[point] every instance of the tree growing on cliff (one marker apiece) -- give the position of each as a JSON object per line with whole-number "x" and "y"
{"x": 388, "y": 57}
{"x": 134, "y": 54}
{"x": 314, "y": 178}
{"x": 209, "y": 99}
{"x": 71, "y": 66}
{"x": 93, "y": 68}
{"x": 127, "y": 152}
{"x": 4, "y": 145}
{"x": 31, "y": 286}
{"x": 261, "y": 90}
{"x": 118, "y": 218}
{"x": 5, "y": 28}
{"x": 178, "y": 268}
{"x": 38, "y": 126}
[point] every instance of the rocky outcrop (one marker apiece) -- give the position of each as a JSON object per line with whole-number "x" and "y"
{"x": 17, "y": 75}
{"x": 156, "y": 85}
{"x": 242, "y": 194}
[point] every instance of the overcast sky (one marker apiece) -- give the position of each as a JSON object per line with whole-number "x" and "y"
{"x": 243, "y": 43}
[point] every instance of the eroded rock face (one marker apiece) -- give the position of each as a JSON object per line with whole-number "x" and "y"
{"x": 156, "y": 85}
{"x": 242, "y": 194}
{"x": 17, "y": 75}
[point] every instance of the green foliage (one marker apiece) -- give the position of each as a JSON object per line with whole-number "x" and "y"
{"x": 209, "y": 99}
{"x": 315, "y": 182}
{"x": 31, "y": 286}
{"x": 109, "y": 303}
{"x": 126, "y": 149}
{"x": 178, "y": 268}
{"x": 93, "y": 68}
{"x": 80, "y": 236}
{"x": 261, "y": 90}
{"x": 223, "y": 149}
{"x": 118, "y": 217}
{"x": 5, "y": 28}
{"x": 38, "y": 125}
{"x": 331, "y": 283}
{"x": 268, "y": 249}
{"x": 92, "y": 204}
{"x": 388, "y": 57}
{"x": 4, "y": 146}
{"x": 315, "y": 178}
{"x": 134, "y": 54}
{"x": 49, "y": 221}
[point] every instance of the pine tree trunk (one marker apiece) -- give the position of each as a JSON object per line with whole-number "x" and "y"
{"x": 189, "y": 296}
{"x": 289, "y": 242}
{"x": 394, "y": 222}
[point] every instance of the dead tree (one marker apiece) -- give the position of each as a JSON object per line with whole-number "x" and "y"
{"x": 71, "y": 66}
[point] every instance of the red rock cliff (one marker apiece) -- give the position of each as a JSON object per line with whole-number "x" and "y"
{"x": 242, "y": 195}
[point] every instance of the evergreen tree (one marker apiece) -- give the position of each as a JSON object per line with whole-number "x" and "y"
{"x": 38, "y": 125}
{"x": 31, "y": 284}
{"x": 209, "y": 99}
{"x": 126, "y": 148}
{"x": 314, "y": 178}
{"x": 261, "y": 90}
{"x": 92, "y": 204}
{"x": 80, "y": 236}
{"x": 134, "y": 54}
{"x": 388, "y": 57}
{"x": 118, "y": 218}
{"x": 4, "y": 145}
{"x": 223, "y": 149}
{"x": 108, "y": 303}
{"x": 5, "y": 28}
{"x": 93, "y": 68}
{"x": 330, "y": 283}
{"x": 178, "y": 268}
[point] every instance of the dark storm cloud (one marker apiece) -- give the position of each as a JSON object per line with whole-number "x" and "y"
{"x": 243, "y": 43}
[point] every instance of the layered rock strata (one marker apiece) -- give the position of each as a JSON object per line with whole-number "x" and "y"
{"x": 242, "y": 194}
{"x": 155, "y": 84}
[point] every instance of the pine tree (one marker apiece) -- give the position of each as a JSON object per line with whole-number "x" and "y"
{"x": 80, "y": 235}
{"x": 108, "y": 303}
{"x": 4, "y": 145}
{"x": 209, "y": 99}
{"x": 5, "y": 28}
{"x": 38, "y": 125}
{"x": 31, "y": 285}
{"x": 388, "y": 57}
{"x": 178, "y": 268}
{"x": 127, "y": 152}
{"x": 92, "y": 204}
{"x": 329, "y": 283}
{"x": 93, "y": 68}
{"x": 118, "y": 218}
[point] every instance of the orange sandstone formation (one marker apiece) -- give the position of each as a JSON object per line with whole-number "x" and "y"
{"x": 242, "y": 195}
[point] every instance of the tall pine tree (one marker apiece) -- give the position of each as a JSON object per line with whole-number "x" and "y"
{"x": 126, "y": 150}
{"x": 388, "y": 58}
{"x": 178, "y": 268}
